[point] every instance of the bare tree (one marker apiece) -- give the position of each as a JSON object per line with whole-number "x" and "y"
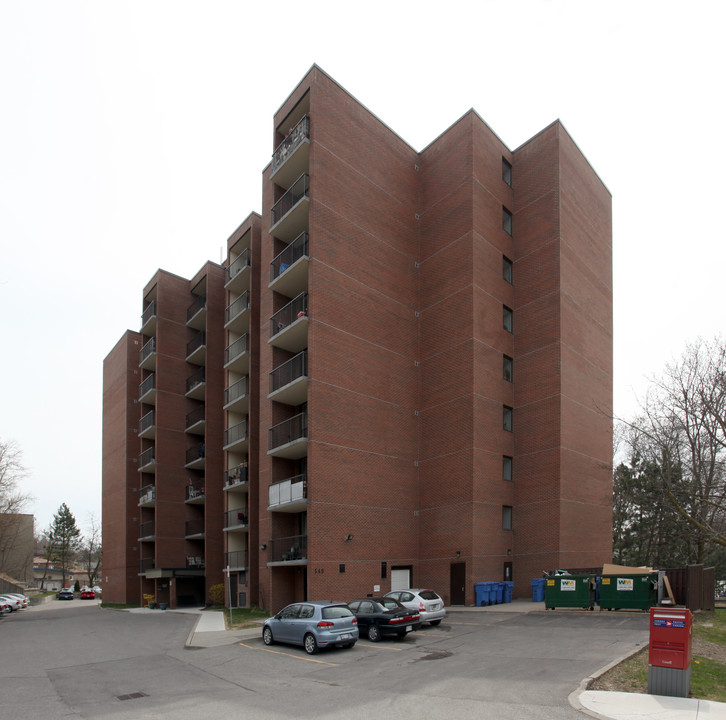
{"x": 13, "y": 524}
{"x": 681, "y": 435}
{"x": 90, "y": 552}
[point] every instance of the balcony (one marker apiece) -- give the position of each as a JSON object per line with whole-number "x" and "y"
{"x": 236, "y": 477}
{"x": 235, "y": 437}
{"x": 236, "y": 560}
{"x": 147, "y": 390}
{"x": 194, "y": 529}
{"x": 147, "y": 426}
{"x": 289, "y": 381}
{"x": 292, "y": 549}
{"x": 236, "y": 396}
{"x": 290, "y": 495}
{"x": 237, "y": 355}
{"x": 195, "y": 421}
{"x": 195, "y": 457}
{"x": 147, "y": 496}
{"x": 289, "y": 439}
{"x": 148, "y": 319}
{"x": 236, "y": 315}
{"x": 147, "y": 355}
{"x": 292, "y": 155}
{"x": 197, "y": 349}
{"x": 147, "y": 461}
{"x": 237, "y": 273}
{"x": 195, "y": 494}
{"x": 289, "y": 325}
{"x": 146, "y": 564}
{"x": 196, "y": 384}
{"x": 289, "y": 270}
{"x": 236, "y": 519}
{"x": 147, "y": 531}
{"x": 289, "y": 215}
{"x": 197, "y": 313}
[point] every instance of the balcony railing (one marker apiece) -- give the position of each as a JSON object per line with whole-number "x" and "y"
{"x": 147, "y": 385}
{"x": 236, "y": 559}
{"x": 236, "y": 433}
{"x": 236, "y": 391}
{"x": 199, "y": 303}
{"x": 237, "y": 307}
{"x": 195, "y": 491}
{"x": 293, "y": 369}
{"x": 294, "y": 251}
{"x": 288, "y": 549}
{"x": 146, "y": 458}
{"x": 195, "y": 454}
{"x": 237, "y": 265}
{"x": 194, "y": 527}
{"x": 292, "y": 490}
{"x": 236, "y": 475}
{"x": 297, "y": 135}
{"x": 299, "y": 190}
{"x": 294, "y": 310}
{"x": 147, "y": 350}
{"x": 195, "y": 417}
{"x": 236, "y": 517}
{"x": 147, "y": 494}
{"x": 296, "y": 428}
{"x": 196, "y": 379}
{"x": 238, "y": 347}
{"x": 146, "y": 422}
{"x": 197, "y": 342}
{"x": 147, "y": 529}
{"x": 195, "y": 562}
{"x": 146, "y": 564}
{"x": 147, "y": 316}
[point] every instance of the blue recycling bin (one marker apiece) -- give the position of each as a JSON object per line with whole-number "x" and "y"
{"x": 508, "y": 590}
{"x": 500, "y": 592}
{"x": 538, "y": 589}
{"x": 481, "y": 593}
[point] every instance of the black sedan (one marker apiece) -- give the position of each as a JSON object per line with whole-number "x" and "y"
{"x": 381, "y": 616}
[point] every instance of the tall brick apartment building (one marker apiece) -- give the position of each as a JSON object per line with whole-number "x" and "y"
{"x": 401, "y": 374}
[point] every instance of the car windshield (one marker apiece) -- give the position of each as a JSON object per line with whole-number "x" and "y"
{"x": 336, "y": 611}
{"x": 429, "y": 595}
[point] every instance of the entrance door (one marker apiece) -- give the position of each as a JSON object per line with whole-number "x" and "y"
{"x": 233, "y": 589}
{"x": 507, "y": 571}
{"x": 457, "y": 585}
{"x": 400, "y": 578}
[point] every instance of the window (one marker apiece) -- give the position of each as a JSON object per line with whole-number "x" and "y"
{"x": 508, "y": 367}
{"x": 507, "y": 269}
{"x": 507, "y": 318}
{"x": 506, "y": 517}
{"x": 506, "y": 220}
{"x": 507, "y": 418}
{"x": 507, "y": 468}
{"x": 506, "y": 172}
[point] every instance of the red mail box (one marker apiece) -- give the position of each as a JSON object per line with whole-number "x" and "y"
{"x": 671, "y": 632}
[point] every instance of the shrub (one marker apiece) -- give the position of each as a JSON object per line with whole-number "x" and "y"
{"x": 216, "y": 594}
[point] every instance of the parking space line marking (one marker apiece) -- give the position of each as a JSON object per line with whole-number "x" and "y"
{"x": 295, "y": 657}
{"x": 380, "y": 647}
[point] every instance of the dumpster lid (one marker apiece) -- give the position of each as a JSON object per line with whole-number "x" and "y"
{"x": 609, "y": 569}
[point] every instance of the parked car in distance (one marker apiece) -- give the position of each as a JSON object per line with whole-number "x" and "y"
{"x": 4, "y": 608}
{"x": 314, "y": 625}
{"x": 12, "y": 602}
{"x": 379, "y": 616}
{"x": 97, "y": 589}
{"x": 88, "y": 594}
{"x": 24, "y": 599}
{"x": 429, "y": 604}
{"x": 65, "y": 594}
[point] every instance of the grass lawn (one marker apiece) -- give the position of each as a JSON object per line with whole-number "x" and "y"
{"x": 708, "y": 670}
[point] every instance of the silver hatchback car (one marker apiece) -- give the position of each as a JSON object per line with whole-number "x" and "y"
{"x": 314, "y": 625}
{"x": 429, "y": 604}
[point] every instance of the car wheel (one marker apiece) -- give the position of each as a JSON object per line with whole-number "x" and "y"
{"x": 434, "y": 623}
{"x": 311, "y": 644}
{"x": 267, "y": 636}
{"x": 374, "y": 633}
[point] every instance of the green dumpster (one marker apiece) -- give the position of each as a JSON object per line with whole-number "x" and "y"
{"x": 570, "y": 591}
{"x": 629, "y": 592}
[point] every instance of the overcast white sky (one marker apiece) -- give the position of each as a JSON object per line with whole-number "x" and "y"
{"x": 133, "y": 136}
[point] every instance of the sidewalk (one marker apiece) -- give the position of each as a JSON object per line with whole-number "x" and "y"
{"x": 209, "y": 632}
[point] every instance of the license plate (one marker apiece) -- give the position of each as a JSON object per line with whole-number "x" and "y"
{"x": 346, "y": 636}
{"x": 435, "y": 606}
{"x": 409, "y": 628}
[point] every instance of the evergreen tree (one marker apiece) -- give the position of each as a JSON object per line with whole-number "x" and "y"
{"x": 65, "y": 538}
